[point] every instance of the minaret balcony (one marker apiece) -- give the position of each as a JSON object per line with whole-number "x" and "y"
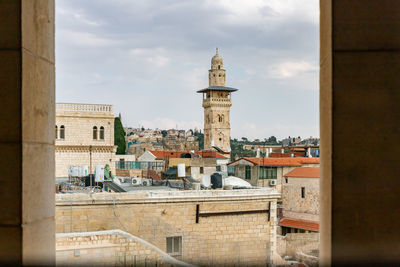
{"x": 216, "y": 101}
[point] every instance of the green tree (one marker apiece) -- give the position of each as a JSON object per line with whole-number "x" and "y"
{"x": 164, "y": 133}
{"x": 119, "y": 136}
{"x": 200, "y": 138}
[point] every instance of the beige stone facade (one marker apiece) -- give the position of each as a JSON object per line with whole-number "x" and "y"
{"x": 297, "y": 207}
{"x": 109, "y": 248}
{"x": 84, "y": 136}
{"x": 236, "y": 238}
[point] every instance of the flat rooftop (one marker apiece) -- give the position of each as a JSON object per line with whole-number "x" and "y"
{"x": 155, "y": 196}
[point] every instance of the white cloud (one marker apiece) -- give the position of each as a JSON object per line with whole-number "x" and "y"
{"x": 85, "y": 39}
{"x": 290, "y": 69}
{"x": 77, "y": 15}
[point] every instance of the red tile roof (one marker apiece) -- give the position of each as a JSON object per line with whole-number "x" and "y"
{"x": 282, "y": 161}
{"x": 300, "y": 224}
{"x": 303, "y": 172}
{"x": 164, "y": 154}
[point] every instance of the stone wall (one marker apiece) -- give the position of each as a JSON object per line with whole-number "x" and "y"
{"x": 290, "y": 244}
{"x": 80, "y": 156}
{"x": 155, "y": 215}
{"x": 294, "y": 206}
{"x": 108, "y": 248}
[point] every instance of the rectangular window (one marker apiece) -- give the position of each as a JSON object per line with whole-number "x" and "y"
{"x": 303, "y": 192}
{"x": 174, "y": 245}
{"x": 267, "y": 172}
{"x": 286, "y": 180}
{"x": 201, "y": 169}
{"x": 248, "y": 172}
{"x": 218, "y": 168}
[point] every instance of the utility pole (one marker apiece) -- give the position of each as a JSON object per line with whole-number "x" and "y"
{"x": 90, "y": 159}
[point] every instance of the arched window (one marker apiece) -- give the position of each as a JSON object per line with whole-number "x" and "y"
{"x": 219, "y": 67}
{"x": 220, "y": 118}
{"x": 94, "y": 133}
{"x": 101, "y": 133}
{"x": 56, "y": 132}
{"x": 62, "y": 132}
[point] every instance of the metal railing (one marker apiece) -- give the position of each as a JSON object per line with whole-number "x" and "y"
{"x": 139, "y": 165}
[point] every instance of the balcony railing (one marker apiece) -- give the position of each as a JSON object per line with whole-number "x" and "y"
{"x": 84, "y": 107}
{"x": 139, "y": 165}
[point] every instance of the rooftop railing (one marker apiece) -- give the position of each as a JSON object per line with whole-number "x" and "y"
{"x": 84, "y": 107}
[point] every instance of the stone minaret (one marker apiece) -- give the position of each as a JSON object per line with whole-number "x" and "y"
{"x": 217, "y": 104}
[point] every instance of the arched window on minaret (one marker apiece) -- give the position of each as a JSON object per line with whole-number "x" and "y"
{"x": 220, "y": 118}
{"x": 219, "y": 67}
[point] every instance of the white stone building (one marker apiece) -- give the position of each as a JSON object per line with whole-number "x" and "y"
{"x": 84, "y": 136}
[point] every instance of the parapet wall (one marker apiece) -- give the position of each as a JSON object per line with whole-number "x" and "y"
{"x": 294, "y": 243}
{"x": 233, "y": 227}
{"x": 109, "y": 248}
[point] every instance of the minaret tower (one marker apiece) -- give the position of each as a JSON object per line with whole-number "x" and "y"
{"x": 217, "y": 102}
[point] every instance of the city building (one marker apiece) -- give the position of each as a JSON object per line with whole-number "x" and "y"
{"x": 268, "y": 172}
{"x": 300, "y": 201}
{"x": 217, "y": 102}
{"x": 198, "y": 166}
{"x": 84, "y": 136}
{"x": 199, "y": 227}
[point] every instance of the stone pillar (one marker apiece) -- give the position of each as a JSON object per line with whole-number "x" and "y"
{"x": 360, "y": 114}
{"x": 27, "y": 232}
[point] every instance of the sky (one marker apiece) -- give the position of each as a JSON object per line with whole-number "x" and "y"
{"x": 148, "y": 59}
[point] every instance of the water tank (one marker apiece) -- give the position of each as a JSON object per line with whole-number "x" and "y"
{"x": 70, "y": 168}
{"x": 80, "y": 171}
{"x": 206, "y": 180}
{"x": 99, "y": 177}
{"x": 181, "y": 170}
{"x": 216, "y": 180}
{"x": 75, "y": 171}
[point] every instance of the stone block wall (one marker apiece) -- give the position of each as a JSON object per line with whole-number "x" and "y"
{"x": 80, "y": 156}
{"x": 294, "y": 206}
{"x": 293, "y": 243}
{"x": 106, "y": 248}
{"x": 153, "y": 216}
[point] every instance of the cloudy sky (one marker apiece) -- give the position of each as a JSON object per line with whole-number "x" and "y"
{"x": 148, "y": 58}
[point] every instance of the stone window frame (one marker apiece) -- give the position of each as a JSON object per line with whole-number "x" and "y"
{"x": 95, "y": 133}
{"x": 171, "y": 250}
{"x": 101, "y": 133}
{"x": 62, "y": 132}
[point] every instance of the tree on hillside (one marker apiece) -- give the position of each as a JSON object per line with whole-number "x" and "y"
{"x": 119, "y": 136}
{"x": 200, "y": 138}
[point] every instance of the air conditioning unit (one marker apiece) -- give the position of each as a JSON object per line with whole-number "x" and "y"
{"x": 146, "y": 182}
{"x": 272, "y": 182}
{"x": 136, "y": 181}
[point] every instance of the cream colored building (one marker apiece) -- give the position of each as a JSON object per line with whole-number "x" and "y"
{"x": 217, "y": 104}
{"x": 300, "y": 201}
{"x": 269, "y": 172}
{"x": 84, "y": 136}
